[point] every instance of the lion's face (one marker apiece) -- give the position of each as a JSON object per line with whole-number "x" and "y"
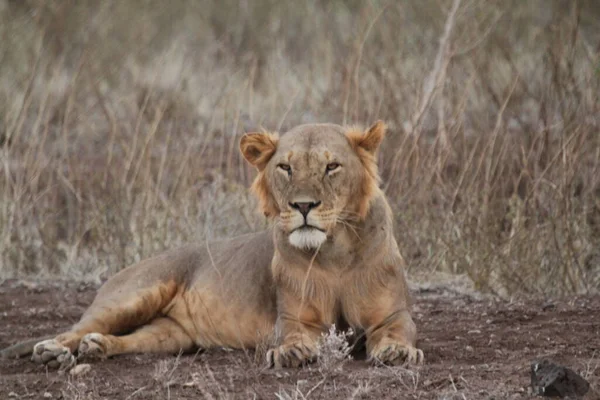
{"x": 314, "y": 178}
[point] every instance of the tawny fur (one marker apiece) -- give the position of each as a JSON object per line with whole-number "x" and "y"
{"x": 258, "y": 288}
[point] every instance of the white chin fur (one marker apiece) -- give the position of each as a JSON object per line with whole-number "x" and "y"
{"x": 307, "y": 238}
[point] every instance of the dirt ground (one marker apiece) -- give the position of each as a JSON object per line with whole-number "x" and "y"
{"x": 475, "y": 348}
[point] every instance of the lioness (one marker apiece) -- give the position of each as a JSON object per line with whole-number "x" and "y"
{"x": 330, "y": 257}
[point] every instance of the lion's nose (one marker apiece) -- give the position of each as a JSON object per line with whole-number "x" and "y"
{"x": 305, "y": 207}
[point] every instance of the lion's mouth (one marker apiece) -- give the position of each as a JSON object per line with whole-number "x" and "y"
{"x": 306, "y": 227}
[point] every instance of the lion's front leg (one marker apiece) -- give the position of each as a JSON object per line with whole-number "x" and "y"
{"x": 299, "y": 327}
{"x": 393, "y": 340}
{"x": 297, "y": 349}
{"x": 385, "y": 317}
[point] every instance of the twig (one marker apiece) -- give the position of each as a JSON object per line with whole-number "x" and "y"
{"x": 435, "y": 78}
{"x": 431, "y": 83}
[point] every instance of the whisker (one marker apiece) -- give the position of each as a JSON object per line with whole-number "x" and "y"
{"x": 351, "y": 227}
{"x": 349, "y": 214}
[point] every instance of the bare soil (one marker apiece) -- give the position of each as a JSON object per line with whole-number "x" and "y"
{"x": 475, "y": 347}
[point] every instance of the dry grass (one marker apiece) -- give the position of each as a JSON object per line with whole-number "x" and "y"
{"x": 119, "y": 124}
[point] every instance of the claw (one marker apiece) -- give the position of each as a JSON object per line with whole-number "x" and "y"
{"x": 92, "y": 345}
{"x": 291, "y": 355}
{"x": 397, "y": 354}
{"x": 53, "y": 354}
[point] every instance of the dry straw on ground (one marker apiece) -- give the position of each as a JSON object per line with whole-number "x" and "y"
{"x": 119, "y": 124}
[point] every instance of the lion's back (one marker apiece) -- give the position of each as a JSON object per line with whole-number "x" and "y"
{"x": 235, "y": 262}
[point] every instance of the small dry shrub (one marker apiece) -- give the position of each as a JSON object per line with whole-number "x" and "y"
{"x": 334, "y": 351}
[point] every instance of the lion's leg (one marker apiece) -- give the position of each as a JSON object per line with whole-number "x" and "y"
{"x": 161, "y": 335}
{"x": 383, "y": 312}
{"x": 111, "y": 314}
{"x": 390, "y": 330}
{"x": 300, "y": 324}
{"x": 393, "y": 340}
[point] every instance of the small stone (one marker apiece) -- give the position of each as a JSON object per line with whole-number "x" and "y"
{"x": 80, "y": 369}
{"x": 13, "y": 394}
{"x": 548, "y": 306}
{"x": 47, "y": 395}
{"x": 551, "y": 380}
{"x": 469, "y": 348}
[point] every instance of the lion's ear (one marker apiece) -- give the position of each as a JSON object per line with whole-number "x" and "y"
{"x": 365, "y": 145}
{"x": 369, "y": 140}
{"x": 258, "y": 148}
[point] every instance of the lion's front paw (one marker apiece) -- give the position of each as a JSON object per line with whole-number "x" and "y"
{"x": 53, "y": 354}
{"x": 93, "y": 345}
{"x": 397, "y": 354}
{"x": 292, "y": 355}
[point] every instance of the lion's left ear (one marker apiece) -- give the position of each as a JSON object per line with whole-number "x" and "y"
{"x": 258, "y": 148}
{"x": 371, "y": 139}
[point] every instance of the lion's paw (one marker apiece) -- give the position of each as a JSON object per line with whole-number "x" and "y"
{"x": 292, "y": 355}
{"x": 53, "y": 354}
{"x": 93, "y": 345}
{"x": 397, "y": 354}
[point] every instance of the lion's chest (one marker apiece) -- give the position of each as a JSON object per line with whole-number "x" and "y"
{"x": 339, "y": 290}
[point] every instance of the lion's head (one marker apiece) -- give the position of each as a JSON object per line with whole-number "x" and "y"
{"x": 314, "y": 177}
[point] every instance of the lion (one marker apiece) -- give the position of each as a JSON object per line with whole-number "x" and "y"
{"x": 329, "y": 257}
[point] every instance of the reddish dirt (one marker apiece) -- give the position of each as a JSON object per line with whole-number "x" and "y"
{"x": 475, "y": 347}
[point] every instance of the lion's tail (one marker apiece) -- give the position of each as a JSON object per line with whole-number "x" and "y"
{"x": 23, "y": 348}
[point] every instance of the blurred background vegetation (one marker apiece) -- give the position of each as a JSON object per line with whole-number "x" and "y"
{"x": 120, "y": 121}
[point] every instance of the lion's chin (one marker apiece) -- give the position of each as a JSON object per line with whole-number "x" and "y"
{"x": 307, "y": 238}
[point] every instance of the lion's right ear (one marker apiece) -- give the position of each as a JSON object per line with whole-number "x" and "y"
{"x": 258, "y": 148}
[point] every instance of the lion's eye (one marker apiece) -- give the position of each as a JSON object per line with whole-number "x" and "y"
{"x": 286, "y": 168}
{"x": 332, "y": 167}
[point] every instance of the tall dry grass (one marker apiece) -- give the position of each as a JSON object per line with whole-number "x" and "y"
{"x": 119, "y": 124}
